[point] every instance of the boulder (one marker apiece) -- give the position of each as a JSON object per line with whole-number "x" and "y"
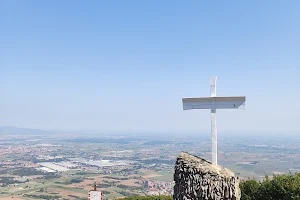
{"x": 196, "y": 178}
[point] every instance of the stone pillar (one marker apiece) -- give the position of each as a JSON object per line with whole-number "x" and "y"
{"x": 197, "y": 179}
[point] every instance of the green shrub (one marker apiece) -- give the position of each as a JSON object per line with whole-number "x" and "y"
{"x": 281, "y": 187}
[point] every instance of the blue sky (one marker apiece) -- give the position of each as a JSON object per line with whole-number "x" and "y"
{"x": 125, "y": 65}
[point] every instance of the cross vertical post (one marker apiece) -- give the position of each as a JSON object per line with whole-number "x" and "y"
{"x": 214, "y": 146}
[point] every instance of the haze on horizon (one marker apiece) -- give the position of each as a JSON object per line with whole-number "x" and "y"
{"x": 125, "y": 67}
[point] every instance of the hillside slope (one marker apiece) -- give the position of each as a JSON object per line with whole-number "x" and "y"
{"x": 12, "y": 130}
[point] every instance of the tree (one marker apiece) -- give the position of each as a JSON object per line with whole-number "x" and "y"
{"x": 249, "y": 189}
{"x": 281, "y": 187}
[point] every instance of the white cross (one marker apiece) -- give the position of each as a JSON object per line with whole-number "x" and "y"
{"x": 214, "y": 103}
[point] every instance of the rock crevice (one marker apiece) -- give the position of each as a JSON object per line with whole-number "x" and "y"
{"x": 196, "y": 178}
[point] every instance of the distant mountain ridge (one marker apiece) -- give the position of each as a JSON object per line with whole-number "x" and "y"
{"x": 12, "y": 130}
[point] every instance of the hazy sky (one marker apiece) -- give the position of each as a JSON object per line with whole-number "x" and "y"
{"x": 125, "y": 65}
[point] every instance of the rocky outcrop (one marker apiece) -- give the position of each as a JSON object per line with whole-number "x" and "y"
{"x": 196, "y": 178}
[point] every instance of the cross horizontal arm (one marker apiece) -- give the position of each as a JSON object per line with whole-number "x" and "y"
{"x": 214, "y": 103}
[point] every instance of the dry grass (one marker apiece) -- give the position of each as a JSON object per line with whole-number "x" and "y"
{"x": 151, "y": 176}
{"x": 130, "y": 182}
{"x": 64, "y": 193}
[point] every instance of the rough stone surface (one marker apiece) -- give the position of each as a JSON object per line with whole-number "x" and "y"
{"x": 196, "y": 178}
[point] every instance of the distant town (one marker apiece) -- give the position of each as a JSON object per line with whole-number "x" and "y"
{"x": 66, "y": 166}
